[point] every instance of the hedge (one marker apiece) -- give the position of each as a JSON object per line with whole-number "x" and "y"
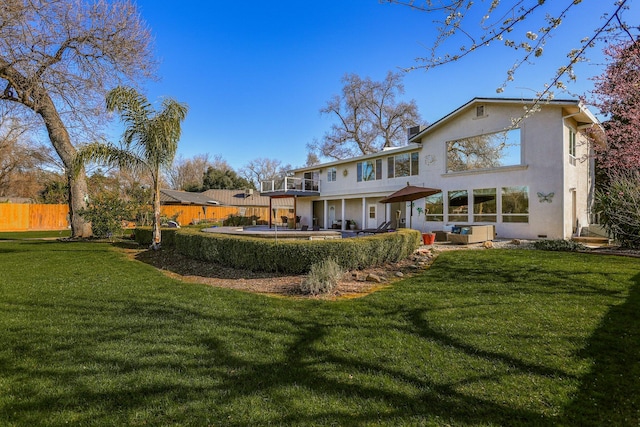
{"x": 289, "y": 256}
{"x": 144, "y": 236}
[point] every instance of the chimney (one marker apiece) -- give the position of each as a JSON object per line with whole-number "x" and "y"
{"x": 414, "y": 130}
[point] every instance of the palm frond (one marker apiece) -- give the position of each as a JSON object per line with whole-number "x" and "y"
{"x": 108, "y": 155}
{"x": 134, "y": 110}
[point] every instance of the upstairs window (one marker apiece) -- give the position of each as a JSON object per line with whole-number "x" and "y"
{"x": 369, "y": 170}
{"x": 331, "y": 174}
{"x": 484, "y": 151}
{"x": 403, "y": 165}
{"x": 572, "y": 147}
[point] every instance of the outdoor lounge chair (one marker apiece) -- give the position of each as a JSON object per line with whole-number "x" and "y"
{"x": 382, "y": 228}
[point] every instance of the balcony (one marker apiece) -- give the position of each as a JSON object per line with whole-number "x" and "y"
{"x": 290, "y": 186}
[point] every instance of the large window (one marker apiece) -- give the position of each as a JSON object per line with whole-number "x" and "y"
{"x": 402, "y": 165}
{"x": 369, "y": 170}
{"x": 515, "y": 204}
{"x": 458, "y": 206}
{"x": 433, "y": 208}
{"x": 484, "y": 205}
{"x": 484, "y": 151}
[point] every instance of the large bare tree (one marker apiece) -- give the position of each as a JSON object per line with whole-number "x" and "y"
{"x": 368, "y": 117}
{"x": 58, "y": 59}
{"x": 263, "y": 169}
{"x": 186, "y": 174}
{"x": 24, "y": 167}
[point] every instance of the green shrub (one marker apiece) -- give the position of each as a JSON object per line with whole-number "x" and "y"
{"x": 559, "y": 245}
{"x": 618, "y": 204}
{"x": 144, "y": 236}
{"x": 237, "y": 220}
{"x": 323, "y": 277}
{"x": 295, "y": 256}
{"x": 106, "y": 212}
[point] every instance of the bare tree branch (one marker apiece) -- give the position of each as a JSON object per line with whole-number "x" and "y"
{"x": 58, "y": 59}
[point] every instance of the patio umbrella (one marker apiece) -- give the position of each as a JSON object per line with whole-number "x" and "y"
{"x": 409, "y": 194}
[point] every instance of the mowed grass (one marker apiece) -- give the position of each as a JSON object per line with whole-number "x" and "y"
{"x": 496, "y": 337}
{"x": 22, "y": 235}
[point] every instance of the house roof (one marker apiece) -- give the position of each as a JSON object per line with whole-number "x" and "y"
{"x": 415, "y": 145}
{"x": 219, "y": 198}
{"x": 170, "y": 197}
{"x": 577, "y": 110}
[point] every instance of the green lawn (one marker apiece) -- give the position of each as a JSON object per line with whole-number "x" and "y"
{"x": 496, "y": 337}
{"x": 22, "y": 235}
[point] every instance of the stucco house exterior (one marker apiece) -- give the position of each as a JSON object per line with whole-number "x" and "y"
{"x": 529, "y": 174}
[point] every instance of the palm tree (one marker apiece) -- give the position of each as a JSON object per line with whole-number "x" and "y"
{"x": 149, "y": 142}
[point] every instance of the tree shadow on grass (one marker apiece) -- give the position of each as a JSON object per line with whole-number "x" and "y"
{"x": 105, "y": 367}
{"x": 610, "y": 393}
{"x": 302, "y": 368}
{"x": 142, "y": 356}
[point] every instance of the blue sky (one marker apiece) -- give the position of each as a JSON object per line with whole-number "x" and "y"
{"x": 256, "y": 73}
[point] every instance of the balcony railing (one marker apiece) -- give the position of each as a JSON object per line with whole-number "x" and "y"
{"x": 290, "y": 184}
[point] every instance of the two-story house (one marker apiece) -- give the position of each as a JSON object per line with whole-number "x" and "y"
{"x": 531, "y": 174}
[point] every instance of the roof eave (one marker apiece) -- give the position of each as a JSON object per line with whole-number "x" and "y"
{"x": 409, "y": 147}
{"x": 480, "y": 100}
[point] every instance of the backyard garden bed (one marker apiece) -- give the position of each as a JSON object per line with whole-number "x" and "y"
{"x": 354, "y": 284}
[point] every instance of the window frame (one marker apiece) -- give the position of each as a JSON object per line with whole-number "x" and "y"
{"x": 482, "y": 216}
{"x": 465, "y": 161}
{"x": 572, "y": 147}
{"x": 463, "y": 215}
{"x": 412, "y": 162}
{"x": 332, "y": 174}
{"x": 434, "y": 216}
{"x": 514, "y": 217}
{"x": 373, "y": 169}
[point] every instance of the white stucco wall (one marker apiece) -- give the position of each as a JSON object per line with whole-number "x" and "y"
{"x": 544, "y": 169}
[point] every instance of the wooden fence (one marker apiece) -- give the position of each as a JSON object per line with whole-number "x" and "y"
{"x": 195, "y": 214}
{"x": 36, "y": 217}
{"x": 27, "y": 217}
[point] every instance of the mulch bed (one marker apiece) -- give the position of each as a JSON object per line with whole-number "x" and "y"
{"x": 353, "y": 285}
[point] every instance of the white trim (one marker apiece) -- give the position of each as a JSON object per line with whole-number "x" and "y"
{"x": 489, "y": 170}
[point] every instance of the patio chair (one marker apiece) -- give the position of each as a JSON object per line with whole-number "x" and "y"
{"x": 380, "y": 228}
{"x": 285, "y": 220}
{"x": 315, "y": 228}
{"x": 305, "y": 228}
{"x": 384, "y": 228}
